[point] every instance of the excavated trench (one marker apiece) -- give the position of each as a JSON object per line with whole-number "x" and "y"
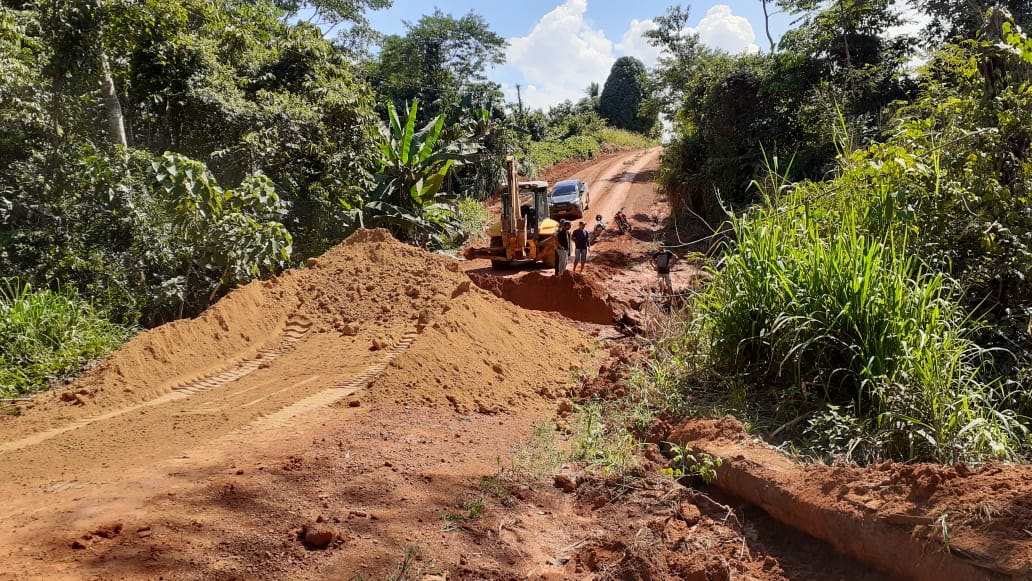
{"x": 572, "y": 295}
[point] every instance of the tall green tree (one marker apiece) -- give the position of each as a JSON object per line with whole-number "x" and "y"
{"x": 623, "y": 95}
{"x": 951, "y": 19}
{"x": 441, "y": 60}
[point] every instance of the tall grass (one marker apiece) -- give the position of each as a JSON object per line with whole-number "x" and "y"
{"x": 47, "y": 334}
{"x": 816, "y": 304}
{"x": 543, "y": 154}
{"x": 611, "y": 138}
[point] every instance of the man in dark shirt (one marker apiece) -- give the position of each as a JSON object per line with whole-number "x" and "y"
{"x": 662, "y": 260}
{"x": 562, "y": 251}
{"x": 580, "y": 246}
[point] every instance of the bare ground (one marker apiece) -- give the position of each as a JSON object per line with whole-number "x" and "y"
{"x": 376, "y": 415}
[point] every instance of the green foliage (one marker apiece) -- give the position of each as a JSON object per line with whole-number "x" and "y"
{"x": 471, "y": 217}
{"x": 856, "y": 321}
{"x": 234, "y": 231}
{"x": 619, "y": 139}
{"x": 950, "y": 20}
{"x": 46, "y": 334}
{"x": 546, "y": 153}
{"x": 727, "y": 109}
{"x": 440, "y": 61}
{"x": 412, "y": 166}
{"x": 686, "y": 462}
{"x": 623, "y": 95}
{"x": 232, "y": 85}
{"x": 601, "y": 440}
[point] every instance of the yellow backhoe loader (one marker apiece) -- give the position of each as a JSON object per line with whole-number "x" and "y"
{"x": 525, "y": 232}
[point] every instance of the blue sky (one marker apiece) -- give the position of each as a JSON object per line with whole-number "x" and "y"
{"x": 558, "y": 47}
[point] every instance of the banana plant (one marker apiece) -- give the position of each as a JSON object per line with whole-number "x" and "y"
{"x": 411, "y": 170}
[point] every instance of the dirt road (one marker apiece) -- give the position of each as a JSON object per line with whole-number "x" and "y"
{"x": 377, "y": 415}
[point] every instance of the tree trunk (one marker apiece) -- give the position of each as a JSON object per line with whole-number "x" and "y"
{"x": 847, "y": 27}
{"x": 766, "y": 25}
{"x": 113, "y": 109}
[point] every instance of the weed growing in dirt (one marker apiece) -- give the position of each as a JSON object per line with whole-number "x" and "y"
{"x": 686, "y": 462}
{"x": 581, "y": 375}
{"x": 942, "y": 525}
{"x": 537, "y": 458}
{"x": 472, "y": 508}
{"x": 601, "y": 439}
{"x": 411, "y": 567}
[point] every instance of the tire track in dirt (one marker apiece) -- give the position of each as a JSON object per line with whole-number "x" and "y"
{"x": 285, "y": 417}
{"x": 295, "y": 331}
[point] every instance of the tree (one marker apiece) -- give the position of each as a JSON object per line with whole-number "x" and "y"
{"x": 623, "y": 95}
{"x": 411, "y": 169}
{"x": 676, "y": 68}
{"x": 439, "y": 61}
{"x": 952, "y": 19}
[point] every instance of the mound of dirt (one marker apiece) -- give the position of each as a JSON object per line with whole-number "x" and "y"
{"x": 363, "y": 295}
{"x": 578, "y": 296}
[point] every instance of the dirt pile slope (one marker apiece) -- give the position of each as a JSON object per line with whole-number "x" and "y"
{"x": 358, "y": 299}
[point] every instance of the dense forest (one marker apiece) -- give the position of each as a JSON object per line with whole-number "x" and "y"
{"x": 867, "y": 191}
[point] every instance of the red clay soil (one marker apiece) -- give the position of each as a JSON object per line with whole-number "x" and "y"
{"x": 572, "y": 295}
{"x": 913, "y": 521}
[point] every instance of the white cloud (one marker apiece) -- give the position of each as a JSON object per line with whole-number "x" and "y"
{"x": 560, "y": 57}
{"x": 720, "y": 28}
{"x": 913, "y": 21}
{"x": 634, "y": 44}
{"x": 563, "y": 54}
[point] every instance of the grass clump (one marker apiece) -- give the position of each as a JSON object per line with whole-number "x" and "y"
{"x": 809, "y": 302}
{"x": 601, "y": 438}
{"x": 46, "y": 334}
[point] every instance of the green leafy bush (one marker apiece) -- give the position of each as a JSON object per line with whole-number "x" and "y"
{"x": 620, "y": 139}
{"x": 46, "y": 334}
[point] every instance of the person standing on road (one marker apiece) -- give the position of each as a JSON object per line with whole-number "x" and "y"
{"x": 562, "y": 251}
{"x": 580, "y": 243}
{"x": 662, "y": 260}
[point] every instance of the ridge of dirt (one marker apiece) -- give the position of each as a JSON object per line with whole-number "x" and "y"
{"x": 332, "y": 320}
{"x": 483, "y": 355}
{"x": 937, "y": 518}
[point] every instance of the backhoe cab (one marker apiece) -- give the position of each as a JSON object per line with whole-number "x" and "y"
{"x": 525, "y": 231}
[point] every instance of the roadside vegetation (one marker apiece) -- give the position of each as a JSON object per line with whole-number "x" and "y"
{"x": 870, "y": 297}
{"x": 45, "y": 335}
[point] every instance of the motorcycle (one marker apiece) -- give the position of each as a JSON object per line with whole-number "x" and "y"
{"x": 597, "y": 231}
{"x": 621, "y": 221}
